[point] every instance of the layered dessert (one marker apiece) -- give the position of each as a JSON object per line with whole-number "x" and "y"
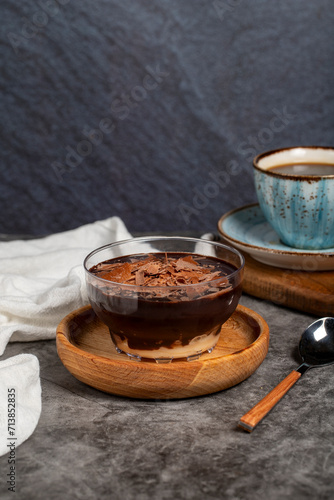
{"x": 164, "y": 306}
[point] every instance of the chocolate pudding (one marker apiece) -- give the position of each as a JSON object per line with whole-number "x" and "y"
{"x": 164, "y": 305}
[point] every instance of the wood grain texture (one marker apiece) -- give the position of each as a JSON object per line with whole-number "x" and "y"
{"x": 307, "y": 291}
{"x": 85, "y": 348}
{"x": 250, "y": 420}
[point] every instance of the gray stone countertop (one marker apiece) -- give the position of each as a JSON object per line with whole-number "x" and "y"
{"x": 91, "y": 445}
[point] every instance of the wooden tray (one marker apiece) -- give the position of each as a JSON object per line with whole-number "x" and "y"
{"x": 311, "y": 292}
{"x": 86, "y": 350}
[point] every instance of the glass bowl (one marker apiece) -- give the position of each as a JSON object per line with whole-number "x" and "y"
{"x": 164, "y": 298}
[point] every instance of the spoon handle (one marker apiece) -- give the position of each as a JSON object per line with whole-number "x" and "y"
{"x": 260, "y": 410}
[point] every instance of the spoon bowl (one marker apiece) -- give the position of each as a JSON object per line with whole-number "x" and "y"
{"x": 316, "y": 348}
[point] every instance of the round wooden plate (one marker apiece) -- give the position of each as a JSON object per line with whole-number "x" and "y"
{"x": 86, "y": 350}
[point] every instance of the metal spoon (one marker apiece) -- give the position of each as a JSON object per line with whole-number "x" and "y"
{"x": 316, "y": 348}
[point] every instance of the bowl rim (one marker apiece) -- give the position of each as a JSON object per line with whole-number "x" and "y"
{"x": 143, "y": 288}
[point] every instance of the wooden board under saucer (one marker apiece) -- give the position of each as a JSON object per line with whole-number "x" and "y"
{"x": 311, "y": 292}
{"x": 86, "y": 350}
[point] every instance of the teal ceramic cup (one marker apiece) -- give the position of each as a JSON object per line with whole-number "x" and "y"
{"x": 295, "y": 189}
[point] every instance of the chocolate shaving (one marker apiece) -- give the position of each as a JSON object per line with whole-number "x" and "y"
{"x": 185, "y": 263}
{"x": 152, "y": 268}
{"x": 140, "y": 277}
{"x": 119, "y": 273}
{"x": 155, "y": 271}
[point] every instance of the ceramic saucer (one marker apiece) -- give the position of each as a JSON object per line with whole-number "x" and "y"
{"x": 247, "y": 229}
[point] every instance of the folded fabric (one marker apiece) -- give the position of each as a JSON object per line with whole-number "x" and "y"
{"x": 20, "y": 402}
{"x": 41, "y": 280}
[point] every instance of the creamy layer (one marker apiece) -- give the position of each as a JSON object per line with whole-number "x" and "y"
{"x": 199, "y": 345}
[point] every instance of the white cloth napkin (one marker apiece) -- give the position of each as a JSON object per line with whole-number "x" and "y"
{"x": 20, "y": 400}
{"x": 41, "y": 280}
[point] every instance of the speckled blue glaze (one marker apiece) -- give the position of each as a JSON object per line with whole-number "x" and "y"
{"x": 300, "y": 209}
{"x": 248, "y": 225}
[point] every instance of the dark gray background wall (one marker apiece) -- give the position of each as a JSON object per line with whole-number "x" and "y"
{"x": 153, "y": 110}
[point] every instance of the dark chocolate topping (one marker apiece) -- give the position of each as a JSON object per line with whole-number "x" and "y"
{"x": 159, "y": 270}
